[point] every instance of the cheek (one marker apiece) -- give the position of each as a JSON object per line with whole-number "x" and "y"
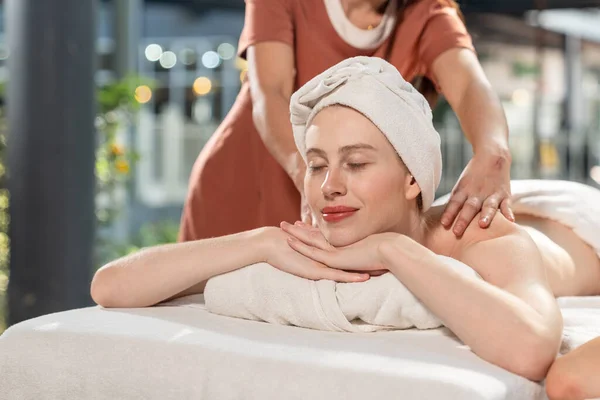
{"x": 312, "y": 190}
{"x": 379, "y": 190}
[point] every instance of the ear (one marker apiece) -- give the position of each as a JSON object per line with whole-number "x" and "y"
{"x": 411, "y": 188}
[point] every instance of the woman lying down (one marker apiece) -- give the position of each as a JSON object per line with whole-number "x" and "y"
{"x": 374, "y": 163}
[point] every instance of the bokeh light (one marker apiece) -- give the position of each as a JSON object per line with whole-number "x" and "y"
{"x": 211, "y": 59}
{"x": 168, "y": 59}
{"x": 226, "y": 51}
{"x": 153, "y": 52}
{"x": 202, "y": 86}
{"x": 143, "y": 94}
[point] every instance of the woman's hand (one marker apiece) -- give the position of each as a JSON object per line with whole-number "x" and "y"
{"x": 483, "y": 186}
{"x": 281, "y": 256}
{"x": 363, "y": 256}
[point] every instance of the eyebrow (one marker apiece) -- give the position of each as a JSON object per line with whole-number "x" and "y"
{"x": 342, "y": 150}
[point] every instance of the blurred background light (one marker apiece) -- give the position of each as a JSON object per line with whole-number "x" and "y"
{"x": 226, "y": 51}
{"x": 168, "y": 59}
{"x": 202, "y": 86}
{"x": 211, "y": 59}
{"x": 143, "y": 94}
{"x": 153, "y": 52}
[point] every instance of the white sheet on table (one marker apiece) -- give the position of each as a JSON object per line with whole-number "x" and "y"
{"x": 181, "y": 351}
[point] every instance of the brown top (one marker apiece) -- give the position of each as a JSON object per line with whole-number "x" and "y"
{"x": 236, "y": 184}
{"x": 428, "y": 28}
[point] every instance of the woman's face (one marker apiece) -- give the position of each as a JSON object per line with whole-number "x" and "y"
{"x": 355, "y": 184}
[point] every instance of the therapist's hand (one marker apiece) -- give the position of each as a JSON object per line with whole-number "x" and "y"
{"x": 484, "y": 186}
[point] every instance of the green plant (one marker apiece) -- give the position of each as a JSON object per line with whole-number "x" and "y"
{"x": 521, "y": 69}
{"x": 4, "y": 220}
{"x": 117, "y": 104}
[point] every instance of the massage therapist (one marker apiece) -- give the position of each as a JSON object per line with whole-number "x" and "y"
{"x": 250, "y": 174}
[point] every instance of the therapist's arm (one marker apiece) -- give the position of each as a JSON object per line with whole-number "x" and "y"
{"x": 485, "y": 183}
{"x": 271, "y": 74}
{"x": 510, "y": 318}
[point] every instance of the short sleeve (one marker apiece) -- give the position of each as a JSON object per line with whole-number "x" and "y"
{"x": 266, "y": 20}
{"x": 443, "y": 30}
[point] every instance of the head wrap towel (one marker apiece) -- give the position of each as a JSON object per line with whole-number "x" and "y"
{"x": 376, "y": 89}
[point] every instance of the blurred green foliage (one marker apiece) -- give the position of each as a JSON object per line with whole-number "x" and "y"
{"x": 149, "y": 235}
{"x": 117, "y": 106}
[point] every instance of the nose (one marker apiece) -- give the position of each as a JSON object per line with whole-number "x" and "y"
{"x": 334, "y": 184}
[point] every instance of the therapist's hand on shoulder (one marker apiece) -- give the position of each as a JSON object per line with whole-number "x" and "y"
{"x": 484, "y": 186}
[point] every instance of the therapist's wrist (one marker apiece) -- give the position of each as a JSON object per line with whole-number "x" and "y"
{"x": 498, "y": 149}
{"x": 296, "y": 168}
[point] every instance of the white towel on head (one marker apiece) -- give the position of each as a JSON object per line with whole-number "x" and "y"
{"x": 376, "y": 89}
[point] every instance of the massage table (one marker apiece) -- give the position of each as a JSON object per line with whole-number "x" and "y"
{"x": 178, "y": 350}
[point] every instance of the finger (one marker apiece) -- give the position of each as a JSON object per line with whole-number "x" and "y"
{"x": 311, "y": 252}
{"x": 308, "y": 235}
{"x": 506, "y": 209}
{"x": 471, "y": 207}
{"x": 340, "y": 276}
{"x": 488, "y": 211}
{"x": 376, "y": 272}
{"x": 317, "y": 271}
{"x": 452, "y": 209}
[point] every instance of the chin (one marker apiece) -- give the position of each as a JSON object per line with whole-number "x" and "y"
{"x": 341, "y": 237}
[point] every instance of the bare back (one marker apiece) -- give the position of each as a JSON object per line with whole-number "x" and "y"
{"x": 572, "y": 266}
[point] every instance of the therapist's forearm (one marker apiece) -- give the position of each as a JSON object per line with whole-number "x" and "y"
{"x": 483, "y": 120}
{"x": 271, "y": 118}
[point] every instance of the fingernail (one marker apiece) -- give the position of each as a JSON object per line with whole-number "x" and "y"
{"x": 299, "y": 223}
{"x": 485, "y": 220}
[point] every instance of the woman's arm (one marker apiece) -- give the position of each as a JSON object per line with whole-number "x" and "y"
{"x": 486, "y": 181}
{"x": 575, "y": 375}
{"x": 155, "y": 274}
{"x": 510, "y": 319}
{"x": 164, "y": 272}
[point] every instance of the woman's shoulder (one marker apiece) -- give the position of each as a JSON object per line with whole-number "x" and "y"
{"x": 449, "y": 244}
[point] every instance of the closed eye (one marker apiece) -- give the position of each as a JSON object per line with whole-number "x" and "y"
{"x": 315, "y": 168}
{"x": 357, "y": 166}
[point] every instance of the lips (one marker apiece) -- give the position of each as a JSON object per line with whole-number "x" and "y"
{"x": 337, "y": 213}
